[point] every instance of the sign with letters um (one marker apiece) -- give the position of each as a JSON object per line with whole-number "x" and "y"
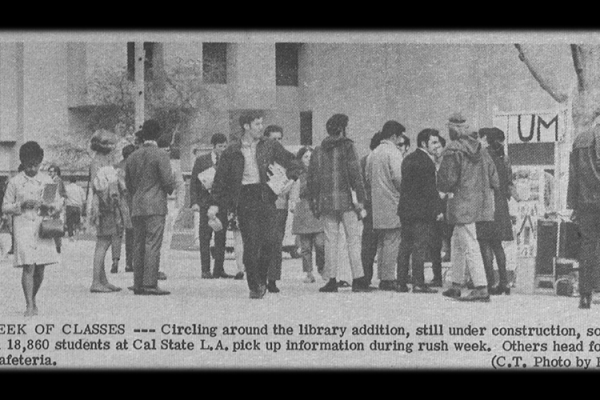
{"x": 533, "y": 127}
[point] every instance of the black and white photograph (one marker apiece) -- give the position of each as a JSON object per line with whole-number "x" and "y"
{"x": 299, "y": 200}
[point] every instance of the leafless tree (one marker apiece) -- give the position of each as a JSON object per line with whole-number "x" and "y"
{"x": 585, "y": 98}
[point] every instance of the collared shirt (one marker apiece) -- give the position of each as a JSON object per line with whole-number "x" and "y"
{"x": 213, "y": 157}
{"x": 251, "y": 174}
{"x": 151, "y": 142}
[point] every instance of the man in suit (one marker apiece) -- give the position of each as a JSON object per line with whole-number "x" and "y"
{"x": 149, "y": 180}
{"x": 242, "y": 184}
{"x": 200, "y": 201}
{"x": 419, "y": 208}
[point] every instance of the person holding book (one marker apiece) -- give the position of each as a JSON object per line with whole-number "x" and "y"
{"x": 28, "y": 200}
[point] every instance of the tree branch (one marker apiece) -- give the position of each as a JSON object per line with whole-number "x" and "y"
{"x": 559, "y": 97}
{"x": 576, "y": 54}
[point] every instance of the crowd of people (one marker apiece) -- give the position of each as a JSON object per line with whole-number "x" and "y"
{"x": 395, "y": 206}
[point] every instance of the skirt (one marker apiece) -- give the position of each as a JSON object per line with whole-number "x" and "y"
{"x": 29, "y": 248}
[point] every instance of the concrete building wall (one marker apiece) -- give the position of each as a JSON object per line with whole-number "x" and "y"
{"x": 45, "y": 91}
{"x": 11, "y": 101}
{"x": 416, "y": 84}
{"x": 420, "y": 85}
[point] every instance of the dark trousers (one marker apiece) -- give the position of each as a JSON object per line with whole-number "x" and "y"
{"x": 205, "y": 233}
{"x": 414, "y": 239}
{"x": 73, "y": 219}
{"x": 147, "y": 239}
{"x": 368, "y": 250}
{"x": 256, "y": 215}
{"x": 129, "y": 247}
{"x": 274, "y": 273}
{"x": 589, "y": 255}
{"x": 489, "y": 249}
{"x": 440, "y": 231}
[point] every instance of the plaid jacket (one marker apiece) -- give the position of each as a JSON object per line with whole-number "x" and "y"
{"x": 334, "y": 172}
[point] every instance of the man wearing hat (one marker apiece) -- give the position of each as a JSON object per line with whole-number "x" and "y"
{"x": 149, "y": 180}
{"x": 468, "y": 174}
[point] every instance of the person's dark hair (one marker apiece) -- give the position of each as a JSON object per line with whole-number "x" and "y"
{"x": 442, "y": 141}
{"x": 425, "y": 135}
{"x": 217, "y": 138}
{"x": 151, "y": 130}
{"x": 392, "y": 128}
{"x": 20, "y": 168}
{"x": 493, "y": 134}
{"x": 164, "y": 141}
{"x": 248, "y": 116}
{"x": 375, "y": 141}
{"x": 336, "y": 124}
{"x": 303, "y": 151}
{"x": 495, "y": 137}
{"x": 31, "y": 153}
{"x": 273, "y": 128}
{"x": 127, "y": 150}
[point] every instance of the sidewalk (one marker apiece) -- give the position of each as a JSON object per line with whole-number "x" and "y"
{"x": 65, "y": 298}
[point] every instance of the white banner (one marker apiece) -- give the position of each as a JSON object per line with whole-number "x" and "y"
{"x": 544, "y": 127}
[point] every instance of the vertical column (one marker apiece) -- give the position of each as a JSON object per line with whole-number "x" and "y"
{"x": 140, "y": 56}
{"x": 9, "y": 88}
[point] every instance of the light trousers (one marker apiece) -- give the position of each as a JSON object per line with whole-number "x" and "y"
{"x": 172, "y": 213}
{"x": 388, "y": 244}
{"x": 333, "y": 223}
{"x": 466, "y": 256}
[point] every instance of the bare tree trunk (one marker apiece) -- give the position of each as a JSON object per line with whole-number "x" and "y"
{"x": 544, "y": 82}
{"x": 586, "y": 99}
{"x": 586, "y": 96}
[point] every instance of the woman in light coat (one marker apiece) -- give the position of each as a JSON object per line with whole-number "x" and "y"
{"x": 24, "y": 200}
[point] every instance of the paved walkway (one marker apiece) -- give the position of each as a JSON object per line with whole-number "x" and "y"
{"x": 65, "y": 299}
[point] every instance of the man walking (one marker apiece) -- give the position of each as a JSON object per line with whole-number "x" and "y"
{"x": 468, "y": 173}
{"x": 333, "y": 176}
{"x": 200, "y": 200}
{"x": 242, "y": 184}
{"x": 384, "y": 174}
{"x": 149, "y": 180}
{"x": 74, "y": 202}
{"x": 419, "y": 208}
{"x": 583, "y": 197}
{"x": 275, "y": 132}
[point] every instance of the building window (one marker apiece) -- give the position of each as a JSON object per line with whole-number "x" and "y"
{"x": 306, "y": 134}
{"x": 148, "y": 61}
{"x": 286, "y": 64}
{"x": 214, "y": 62}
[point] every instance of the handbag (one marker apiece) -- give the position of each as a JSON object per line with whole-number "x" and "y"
{"x": 52, "y": 228}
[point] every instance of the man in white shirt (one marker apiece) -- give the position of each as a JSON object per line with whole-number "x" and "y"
{"x": 74, "y": 202}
